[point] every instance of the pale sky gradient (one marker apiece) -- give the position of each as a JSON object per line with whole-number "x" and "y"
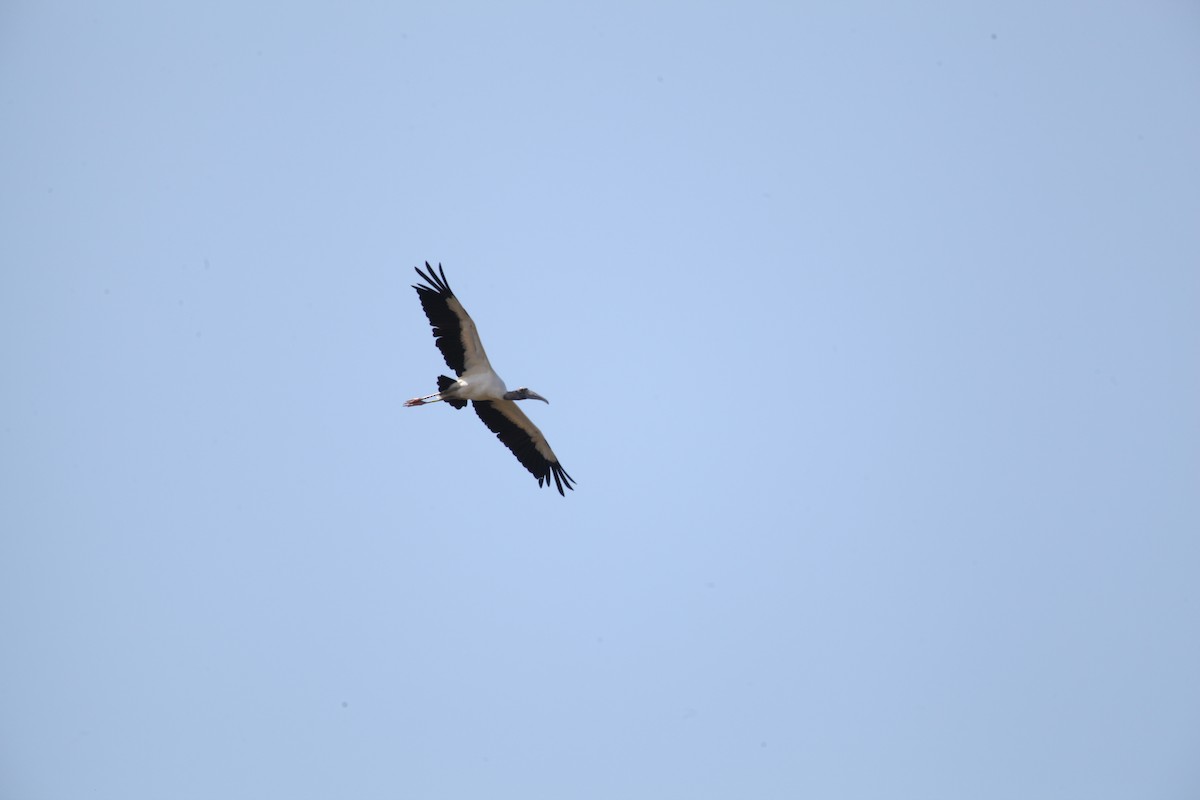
{"x": 871, "y": 333}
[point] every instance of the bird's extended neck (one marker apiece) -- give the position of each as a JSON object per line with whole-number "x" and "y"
{"x": 524, "y": 394}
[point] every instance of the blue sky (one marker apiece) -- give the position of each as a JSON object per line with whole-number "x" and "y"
{"x": 871, "y": 335}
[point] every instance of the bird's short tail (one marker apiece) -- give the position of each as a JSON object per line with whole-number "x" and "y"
{"x": 445, "y": 383}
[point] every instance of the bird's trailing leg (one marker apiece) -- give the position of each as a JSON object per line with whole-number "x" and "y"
{"x": 420, "y": 401}
{"x": 448, "y": 390}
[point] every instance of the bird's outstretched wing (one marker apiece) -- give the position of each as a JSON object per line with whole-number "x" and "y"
{"x": 453, "y": 330}
{"x": 527, "y": 443}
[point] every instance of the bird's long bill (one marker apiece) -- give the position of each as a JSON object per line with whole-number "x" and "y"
{"x": 536, "y": 396}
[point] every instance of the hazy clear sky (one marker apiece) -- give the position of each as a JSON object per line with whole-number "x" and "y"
{"x": 872, "y": 338}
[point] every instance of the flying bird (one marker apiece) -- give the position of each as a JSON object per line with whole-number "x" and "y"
{"x": 455, "y": 335}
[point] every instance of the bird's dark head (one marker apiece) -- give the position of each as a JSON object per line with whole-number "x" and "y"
{"x": 524, "y": 394}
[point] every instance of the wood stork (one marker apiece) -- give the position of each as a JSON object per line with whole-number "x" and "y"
{"x": 457, "y": 338}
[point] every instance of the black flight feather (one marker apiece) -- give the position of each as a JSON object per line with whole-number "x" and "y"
{"x": 515, "y": 438}
{"x": 447, "y": 330}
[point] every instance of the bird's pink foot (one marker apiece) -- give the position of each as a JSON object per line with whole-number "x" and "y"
{"x": 416, "y": 401}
